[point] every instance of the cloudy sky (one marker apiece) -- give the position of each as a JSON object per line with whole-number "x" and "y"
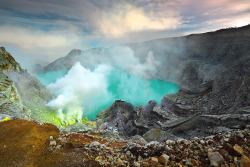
{"x": 48, "y": 29}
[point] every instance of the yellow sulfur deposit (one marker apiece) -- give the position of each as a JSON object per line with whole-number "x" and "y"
{"x": 6, "y": 119}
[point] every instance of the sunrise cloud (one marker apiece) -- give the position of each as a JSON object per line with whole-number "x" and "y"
{"x": 31, "y": 38}
{"x": 52, "y": 27}
{"x": 127, "y": 18}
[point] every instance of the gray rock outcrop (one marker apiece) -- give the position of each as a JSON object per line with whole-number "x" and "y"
{"x": 10, "y": 102}
{"x": 21, "y": 94}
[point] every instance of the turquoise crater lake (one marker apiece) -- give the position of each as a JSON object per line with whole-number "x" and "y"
{"x": 120, "y": 86}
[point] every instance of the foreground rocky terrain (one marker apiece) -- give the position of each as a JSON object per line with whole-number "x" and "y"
{"x": 25, "y": 143}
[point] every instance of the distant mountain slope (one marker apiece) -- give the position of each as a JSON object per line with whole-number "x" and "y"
{"x": 64, "y": 63}
{"x": 188, "y": 61}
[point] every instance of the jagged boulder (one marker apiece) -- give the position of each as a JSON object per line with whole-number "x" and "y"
{"x": 118, "y": 117}
{"x": 158, "y": 135}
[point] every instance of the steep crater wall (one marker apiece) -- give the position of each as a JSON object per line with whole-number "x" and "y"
{"x": 22, "y": 94}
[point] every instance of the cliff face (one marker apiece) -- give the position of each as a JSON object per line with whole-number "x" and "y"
{"x": 196, "y": 59}
{"x": 21, "y": 92}
{"x": 10, "y": 101}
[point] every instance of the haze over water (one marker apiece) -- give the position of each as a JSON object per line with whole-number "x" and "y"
{"x": 111, "y": 85}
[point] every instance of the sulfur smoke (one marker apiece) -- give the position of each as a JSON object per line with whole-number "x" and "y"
{"x": 84, "y": 92}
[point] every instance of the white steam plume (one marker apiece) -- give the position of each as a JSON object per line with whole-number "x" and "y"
{"x": 82, "y": 91}
{"x": 78, "y": 88}
{"x": 124, "y": 58}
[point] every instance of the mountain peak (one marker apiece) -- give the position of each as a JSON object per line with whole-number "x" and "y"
{"x": 7, "y": 62}
{"x": 2, "y": 49}
{"x": 74, "y": 52}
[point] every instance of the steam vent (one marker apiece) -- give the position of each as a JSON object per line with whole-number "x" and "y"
{"x": 137, "y": 92}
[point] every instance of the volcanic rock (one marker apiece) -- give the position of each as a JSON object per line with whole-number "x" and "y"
{"x": 119, "y": 116}
{"x": 163, "y": 159}
{"x": 120, "y": 163}
{"x": 157, "y": 135}
{"x": 215, "y": 158}
{"x": 184, "y": 154}
{"x": 244, "y": 162}
{"x": 11, "y": 102}
{"x": 94, "y": 144}
{"x": 138, "y": 138}
{"x": 153, "y": 162}
{"x": 83, "y": 127}
{"x": 238, "y": 149}
{"x": 239, "y": 139}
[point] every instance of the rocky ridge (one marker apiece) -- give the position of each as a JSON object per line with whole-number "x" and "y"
{"x": 11, "y": 103}
{"x": 22, "y": 93}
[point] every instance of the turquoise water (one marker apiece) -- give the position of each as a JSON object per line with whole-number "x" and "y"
{"x": 51, "y": 77}
{"x": 138, "y": 91}
{"x": 120, "y": 86}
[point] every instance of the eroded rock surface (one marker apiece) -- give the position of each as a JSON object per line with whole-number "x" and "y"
{"x": 21, "y": 93}
{"x": 10, "y": 100}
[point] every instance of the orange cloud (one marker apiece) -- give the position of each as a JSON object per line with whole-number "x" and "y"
{"x": 124, "y": 19}
{"x": 31, "y": 38}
